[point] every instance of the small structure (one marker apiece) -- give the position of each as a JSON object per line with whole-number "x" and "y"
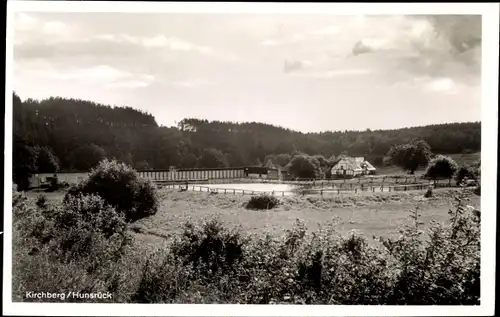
{"x": 256, "y": 172}
{"x": 352, "y": 167}
{"x": 273, "y": 173}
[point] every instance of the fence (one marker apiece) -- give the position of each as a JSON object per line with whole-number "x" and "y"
{"x": 303, "y": 192}
{"x": 234, "y": 191}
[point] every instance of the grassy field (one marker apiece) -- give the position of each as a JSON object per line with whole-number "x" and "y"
{"x": 466, "y": 158}
{"x": 369, "y": 214}
{"x": 461, "y": 159}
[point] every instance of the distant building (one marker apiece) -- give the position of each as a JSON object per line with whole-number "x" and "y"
{"x": 172, "y": 174}
{"x": 352, "y": 167}
{"x": 41, "y": 179}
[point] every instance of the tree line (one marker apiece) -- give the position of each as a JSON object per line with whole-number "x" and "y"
{"x": 58, "y": 134}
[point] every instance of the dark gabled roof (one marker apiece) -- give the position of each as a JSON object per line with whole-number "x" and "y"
{"x": 256, "y": 169}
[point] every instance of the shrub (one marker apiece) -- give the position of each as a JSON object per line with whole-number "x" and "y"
{"x": 209, "y": 247}
{"x": 438, "y": 266}
{"x": 53, "y": 184}
{"x": 428, "y": 193}
{"x": 41, "y": 201}
{"x": 441, "y": 167}
{"x": 262, "y": 202}
{"x": 410, "y": 156}
{"x": 202, "y": 255}
{"x": 304, "y": 166}
{"x": 465, "y": 171}
{"x": 120, "y": 186}
{"x": 442, "y": 269}
{"x": 75, "y": 246}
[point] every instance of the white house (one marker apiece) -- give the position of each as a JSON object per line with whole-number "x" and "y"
{"x": 352, "y": 166}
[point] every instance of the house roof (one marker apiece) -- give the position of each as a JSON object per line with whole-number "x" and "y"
{"x": 353, "y": 163}
{"x": 350, "y": 162}
{"x": 369, "y": 166}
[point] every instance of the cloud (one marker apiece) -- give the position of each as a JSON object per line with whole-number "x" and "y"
{"x": 36, "y": 37}
{"x": 362, "y": 47}
{"x": 333, "y": 29}
{"x": 441, "y": 85}
{"x": 104, "y": 75}
{"x": 24, "y": 21}
{"x": 342, "y": 73}
{"x": 302, "y": 36}
{"x": 432, "y": 45}
{"x": 28, "y": 28}
{"x": 192, "y": 83}
{"x": 269, "y": 42}
{"x": 292, "y": 66}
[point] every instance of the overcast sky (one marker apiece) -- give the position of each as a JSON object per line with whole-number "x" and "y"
{"x": 305, "y": 72}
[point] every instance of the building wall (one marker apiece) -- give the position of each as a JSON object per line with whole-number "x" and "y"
{"x": 273, "y": 174}
{"x": 261, "y": 176}
{"x": 193, "y": 174}
{"x": 71, "y": 178}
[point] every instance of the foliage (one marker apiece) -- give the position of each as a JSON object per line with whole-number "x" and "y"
{"x": 439, "y": 266}
{"x": 262, "y": 202}
{"x": 24, "y": 163}
{"x": 441, "y": 167}
{"x": 75, "y": 246}
{"x": 411, "y": 156}
{"x": 120, "y": 186}
{"x": 46, "y": 161}
{"x": 82, "y": 245}
{"x": 429, "y": 193}
{"x": 466, "y": 172}
{"x": 283, "y": 159}
{"x": 132, "y": 136}
{"x": 212, "y": 158}
{"x": 304, "y": 166}
{"x": 54, "y": 184}
{"x": 87, "y": 156}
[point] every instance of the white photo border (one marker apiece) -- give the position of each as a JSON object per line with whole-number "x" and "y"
{"x": 489, "y": 126}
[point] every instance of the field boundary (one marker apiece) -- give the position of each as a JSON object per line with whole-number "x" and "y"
{"x": 311, "y": 191}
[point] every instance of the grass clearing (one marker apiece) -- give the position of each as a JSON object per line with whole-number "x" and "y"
{"x": 367, "y": 214}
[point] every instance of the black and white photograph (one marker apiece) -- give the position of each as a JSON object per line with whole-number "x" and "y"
{"x": 283, "y": 159}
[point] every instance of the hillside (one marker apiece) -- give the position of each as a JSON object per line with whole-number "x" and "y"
{"x": 78, "y": 133}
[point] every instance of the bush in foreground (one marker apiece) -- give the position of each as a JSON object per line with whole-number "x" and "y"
{"x": 439, "y": 266}
{"x": 73, "y": 246}
{"x": 262, "y": 202}
{"x": 120, "y": 186}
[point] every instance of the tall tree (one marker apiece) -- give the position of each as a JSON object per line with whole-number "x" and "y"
{"x": 24, "y": 163}
{"x": 46, "y": 161}
{"x": 411, "y": 156}
{"x": 212, "y": 158}
{"x": 87, "y": 156}
{"x": 441, "y": 167}
{"x": 304, "y": 166}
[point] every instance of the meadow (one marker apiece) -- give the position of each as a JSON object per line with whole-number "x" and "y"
{"x": 368, "y": 214}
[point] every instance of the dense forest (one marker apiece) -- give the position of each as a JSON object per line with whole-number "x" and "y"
{"x": 76, "y": 134}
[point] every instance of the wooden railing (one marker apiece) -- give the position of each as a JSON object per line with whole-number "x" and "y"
{"x": 311, "y": 191}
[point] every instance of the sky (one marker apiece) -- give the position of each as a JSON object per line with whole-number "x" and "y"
{"x": 305, "y": 72}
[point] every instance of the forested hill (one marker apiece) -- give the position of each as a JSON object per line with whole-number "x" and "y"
{"x": 77, "y": 133}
